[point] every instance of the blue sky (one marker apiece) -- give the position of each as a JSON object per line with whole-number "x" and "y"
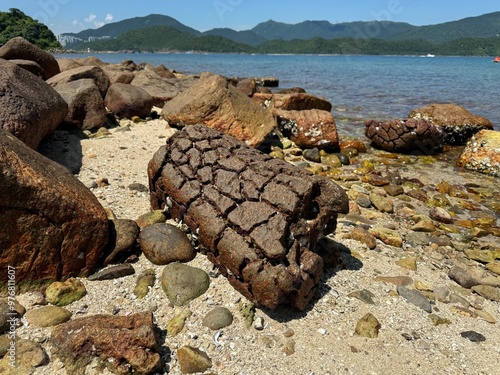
{"x": 76, "y": 15}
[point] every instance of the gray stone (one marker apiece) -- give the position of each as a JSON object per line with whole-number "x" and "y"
{"x": 113, "y": 272}
{"x": 415, "y": 297}
{"x": 183, "y": 283}
{"x": 218, "y": 318}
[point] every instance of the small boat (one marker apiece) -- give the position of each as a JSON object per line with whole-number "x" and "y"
{"x": 497, "y": 59}
{"x": 430, "y": 55}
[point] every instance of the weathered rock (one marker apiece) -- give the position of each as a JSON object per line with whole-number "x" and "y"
{"x": 300, "y": 102}
{"x": 67, "y": 64}
{"x": 309, "y": 128}
{"x": 149, "y": 218}
{"x": 183, "y": 283}
{"x": 362, "y": 235}
{"x": 406, "y": 136}
{"x": 118, "y": 74}
{"x": 127, "y": 101}
{"x": 368, "y": 326}
{"x": 48, "y": 316}
{"x": 29, "y": 108}
{"x": 217, "y": 104}
{"x": 490, "y": 292}
{"x": 85, "y": 105}
{"x": 218, "y": 318}
{"x": 387, "y": 236}
{"x": 145, "y": 281}
{"x": 19, "y": 48}
{"x": 193, "y": 360}
{"x": 122, "y": 344}
{"x": 177, "y": 323}
{"x": 381, "y": 203}
{"x": 64, "y": 293}
{"x": 462, "y": 277}
{"x": 53, "y": 226}
{"x": 163, "y": 72}
{"x": 165, "y": 243}
{"x": 415, "y": 297}
{"x": 95, "y": 73}
{"x": 482, "y": 153}
{"x": 30, "y": 66}
{"x": 312, "y": 154}
{"x": 258, "y": 218}
{"x": 441, "y": 215}
{"x": 28, "y": 356}
{"x": 123, "y": 235}
{"x": 457, "y": 124}
{"x": 247, "y": 86}
{"x": 113, "y": 272}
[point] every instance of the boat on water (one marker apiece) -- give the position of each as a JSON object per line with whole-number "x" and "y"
{"x": 430, "y": 55}
{"x": 496, "y": 59}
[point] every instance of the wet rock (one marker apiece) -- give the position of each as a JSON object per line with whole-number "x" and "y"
{"x": 218, "y": 318}
{"x": 217, "y": 104}
{"x": 457, "y": 124}
{"x": 394, "y": 190}
{"x": 489, "y": 292}
{"x": 193, "y": 360}
{"x": 312, "y": 155}
{"x": 182, "y": 283}
{"x": 441, "y": 215}
{"x": 258, "y": 218}
{"x": 368, "y": 326}
{"x": 48, "y": 316}
{"x": 127, "y": 101}
{"x": 46, "y": 211}
{"x": 145, "y": 281}
{"x": 406, "y": 136}
{"x": 113, "y": 272}
{"x": 482, "y": 154}
{"x": 122, "y": 344}
{"x": 415, "y": 297}
{"x": 165, "y": 243}
{"x": 357, "y": 145}
{"x": 122, "y": 239}
{"x": 473, "y": 336}
{"x": 66, "y": 292}
{"x": 381, "y": 203}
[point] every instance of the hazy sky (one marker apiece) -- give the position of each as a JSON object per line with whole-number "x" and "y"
{"x": 76, "y": 15}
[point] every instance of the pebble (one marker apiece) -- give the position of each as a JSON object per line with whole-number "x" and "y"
{"x": 145, "y": 281}
{"x": 219, "y": 317}
{"x": 124, "y": 238}
{"x": 48, "y": 316}
{"x": 362, "y": 235}
{"x": 473, "y": 336}
{"x": 441, "y": 215}
{"x": 415, "y": 297}
{"x": 193, "y": 360}
{"x": 463, "y": 277}
{"x": 182, "y": 283}
{"x": 489, "y": 292}
{"x": 408, "y": 263}
{"x": 368, "y": 326}
{"x": 149, "y": 218}
{"x": 259, "y": 323}
{"x": 382, "y": 203}
{"x": 387, "y": 236}
{"x": 363, "y": 295}
{"x": 66, "y": 292}
{"x": 113, "y": 272}
{"x": 312, "y": 154}
{"x": 396, "y": 280}
{"x": 176, "y": 324}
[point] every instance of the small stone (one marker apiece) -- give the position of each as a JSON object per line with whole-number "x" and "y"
{"x": 145, "y": 281}
{"x": 102, "y": 182}
{"x": 368, "y": 326}
{"x": 182, "y": 283}
{"x": 331, "y": 160}
{"x": 123, "y": 236}
{"x": 344, "y": 158}
{"x": 48, "y": 316}
{"x": 387, "y": 236}
{"x": 437, "y": 320}
{"x": 218, "y": 318}
{"x": 381, "y": 203}
{"x": 486, "y": 316}
{"x": 176, "y": 324}
{"x": 363, "y": 295}
{"x": 64, "y": 293}
{"x": 489, "y": 292}
{"x": 29, "y": 355}
{"x": 259, "y": 323}
{"x": 442, "y": 294}
{"x": 394, "y": 190}
{"x": 441, "y": 215}
{"x": 322, "y": 331}
{"x": 473, "y": 336}
{"x": 247, "y": 310}
{"x": 483, "y": 256}
{"x": 408, "y": 263}
{"x": 289, "y": 346}
{"x": 138, "y": 187}
{"x": 424, "y": 226}
{"x": 165, "y": 243}
{"x": 494, "y": 267}
{"x": 312, "y": 154}
{"x": 113, "y": 272}
{"x": 193, "y": 360}
{"x": 463, "y": 277}
{"x": 415, "y": 297}
{"x": 362, "y": 235}
{"x": 396, "y": 280}
{"x": 153, "y": 217}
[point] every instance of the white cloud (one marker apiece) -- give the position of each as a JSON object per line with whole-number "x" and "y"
{"x": 91, "y": 18}
{"x": 109, "y": 18}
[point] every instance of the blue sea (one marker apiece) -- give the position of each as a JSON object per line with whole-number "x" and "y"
{"x": 359, "y": 87}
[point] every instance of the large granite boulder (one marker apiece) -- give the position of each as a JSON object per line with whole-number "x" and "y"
{"x": 117, "y": 74}
{"x": 30, "y": 66}
{"x": 257, "y": 218}
{"x": 86, "y": 108}
{"x": 126, "y": 100}
{"x": 406, "y": 136}
{"x": 313, "y": 128}
{"x": 300, "y": 102}
{"x": 121, "y": 344}
{"x": 95, "y": 73}
{"x": 457, "y": 123}
{"x": 29, "y": 108}
{"x": 53, "y": 227}
{"x": 67, "y": 64}
{"x": 19, "y": 48}
{"x": 214, "y": 102}
{"x": 482, "y": 153}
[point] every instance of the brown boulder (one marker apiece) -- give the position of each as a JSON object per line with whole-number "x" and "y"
{"x": 258, "y": 218}
{"x": 53, "y": 227}
{"x": 312, "y": 128}
{"x": 85, "y": 105}
{"x": 482, "y": 153}
{"x": 20, "y": 49}
{"x": 457, "y": 123}
{"x": 30, "y": 66}
{"x": 217, "y": 104}
{"x": 126, "y": 100}
{"x": 122, "y": 344}
{"x": 29, "y": 108}
{"x": 95, "y": 73}
{"x": 300, "y": 102}
{"x": 117, "y": 74}
{"x": 407, "y": 136}
{"x": 67, "y": 64}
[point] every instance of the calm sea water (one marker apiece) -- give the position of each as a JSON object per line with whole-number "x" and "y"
{"x": 359, "y": 87}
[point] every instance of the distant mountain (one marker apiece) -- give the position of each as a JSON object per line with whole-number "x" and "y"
{"x": 245, "y": 37}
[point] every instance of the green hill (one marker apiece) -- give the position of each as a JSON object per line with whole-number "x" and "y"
{"x": 15, "y": 23}
{"x": 245, "y": 37}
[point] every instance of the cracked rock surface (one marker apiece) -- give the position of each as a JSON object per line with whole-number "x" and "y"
{"x": 257, "y": 218}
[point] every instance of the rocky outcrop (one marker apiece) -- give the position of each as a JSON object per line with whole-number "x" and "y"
{"x": 53, "y": 227}
{"x": 257, "y": 218}
{"x": 127, "y": 101}
{"x": 482, "y": 153}
{"x": 19, "y": 48}
{"x": 309, "y": 128}
{"x": 214, "y": 102}
{"x": 85, "y": 105}
{"x": 457, "y": 123}
{"x": 122, "y": 344}
{"x": 95, "y": 73}
{"x": 406, "y": 136}
{"x": 29, "y": 108}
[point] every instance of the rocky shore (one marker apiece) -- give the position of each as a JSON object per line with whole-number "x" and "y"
{"x": 409, "y": 278}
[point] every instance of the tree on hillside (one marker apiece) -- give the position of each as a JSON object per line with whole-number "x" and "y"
{"x": 16, "y": 23}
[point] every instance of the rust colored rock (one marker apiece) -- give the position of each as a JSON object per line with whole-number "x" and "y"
{"x": 300, "y": 102}
{"x": 214, "y": 102}
{"x": 93, "y": 72}
{"x": 406, "y": 136}
{"x": 456, "y": 122}
{"x": 53, "y": 227}
{"x": 29, "y": 108}
{"x": 122, "y": 344}
{"x": 85, "y": 105}
{"x": 358, "y": 145}
{"x": 19, "y": 48}
{"x": 127, "y": 101}
{"x": 257, "y": 218}
{"x": 312, "y": 128}
{"x": 482, "y": 153}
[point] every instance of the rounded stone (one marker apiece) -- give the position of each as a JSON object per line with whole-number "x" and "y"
{"x": 48, "y": 316}
{"x": 218, "y": 318}
{"x": 182, "y": 283}
{"x": 165, "y": 243}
